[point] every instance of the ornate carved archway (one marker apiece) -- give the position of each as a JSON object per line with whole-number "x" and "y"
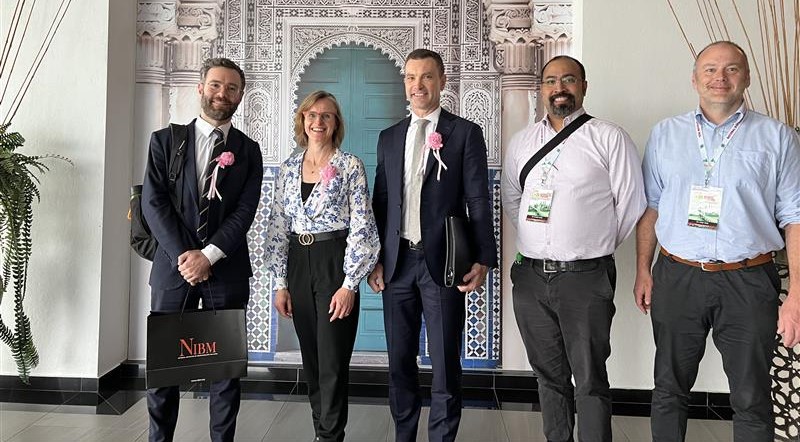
{"x": 274, "y": 42}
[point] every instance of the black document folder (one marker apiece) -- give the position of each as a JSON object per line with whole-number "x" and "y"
{"x": 459, "y": 251}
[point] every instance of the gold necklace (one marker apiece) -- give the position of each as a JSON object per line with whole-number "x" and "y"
{"x": 316, "y": 165}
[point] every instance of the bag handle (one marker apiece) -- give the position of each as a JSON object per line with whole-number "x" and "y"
{"x": 555, "y": 141}
{"x": 210, "y": 294}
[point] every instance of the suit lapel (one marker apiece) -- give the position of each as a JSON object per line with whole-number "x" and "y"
{"x": 190, "y": 171}
{"x": 232, "y": 144}
{"x": 396, "y": 155}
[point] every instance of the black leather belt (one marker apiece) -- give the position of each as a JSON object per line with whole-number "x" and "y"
{"x": 406, "y": 244}
{"x": 306, "y": 239}
{"x": 580, "y": 265}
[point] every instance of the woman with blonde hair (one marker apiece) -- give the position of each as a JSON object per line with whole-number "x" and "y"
{"x": 322, "y": 240}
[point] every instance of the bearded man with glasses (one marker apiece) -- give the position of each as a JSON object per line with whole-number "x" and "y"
{"x": 202, "y": 249}
{"x": 579, "y": 202}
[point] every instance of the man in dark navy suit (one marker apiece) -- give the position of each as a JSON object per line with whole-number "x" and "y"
{"x": 431, "y": 165}
{"x": 202, "y": 246}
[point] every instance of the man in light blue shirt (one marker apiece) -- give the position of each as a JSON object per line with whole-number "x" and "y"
{"x": 720, "y": 182}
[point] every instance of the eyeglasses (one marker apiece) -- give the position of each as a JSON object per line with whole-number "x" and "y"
{"x": 326, "y": 117}
{"x": 567, "y": 80}
{"x": 229, "y": 88}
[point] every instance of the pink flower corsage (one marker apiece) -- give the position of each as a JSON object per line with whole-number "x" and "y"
{"x": 435, "y": 144}
{"x": 224, "y": 160}
{"x": 435, "y": 140}
{"x": 327, "y": 174}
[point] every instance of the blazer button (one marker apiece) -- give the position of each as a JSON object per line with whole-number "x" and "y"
{"x": 397, "y": 232}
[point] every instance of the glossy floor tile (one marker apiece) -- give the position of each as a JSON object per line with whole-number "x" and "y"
{"x": 287, "y": 418}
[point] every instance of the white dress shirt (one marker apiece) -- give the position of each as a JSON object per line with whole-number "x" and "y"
{"x": 204, "y": 140}
{"x": 409, "y": 168}
{"x": 598, "y": 194}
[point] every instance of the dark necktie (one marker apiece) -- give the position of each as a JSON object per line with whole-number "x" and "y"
{"x": 205, "y": 203}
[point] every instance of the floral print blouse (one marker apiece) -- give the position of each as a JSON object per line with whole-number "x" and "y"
{"x": 342, "y": 203}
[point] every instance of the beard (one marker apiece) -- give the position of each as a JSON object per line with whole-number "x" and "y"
{"x": 219, "y": 114}
{"x": 564, "y": 109}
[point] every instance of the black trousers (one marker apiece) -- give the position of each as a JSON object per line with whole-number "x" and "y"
{"x": 314, "y": 274}
{"x": 224, "y": 395}
{"x": 411, "y": 294}
{"x": 565, "y": 322}
{"x": 741, "y": 306}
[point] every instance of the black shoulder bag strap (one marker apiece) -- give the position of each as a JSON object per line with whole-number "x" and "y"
{"x": 180, "y": 135}
{"x": 561, "y": 136}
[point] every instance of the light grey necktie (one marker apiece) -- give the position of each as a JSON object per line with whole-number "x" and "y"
{"x": 414, "y": 233}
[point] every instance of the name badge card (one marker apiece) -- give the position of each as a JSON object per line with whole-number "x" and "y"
{"x": 539, "y": 207}
{"x": 704, "y": 207}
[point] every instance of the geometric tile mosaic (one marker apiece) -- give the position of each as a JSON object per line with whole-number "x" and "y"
{"x": 274, "y": 42}
{"x": 260, "y": 313}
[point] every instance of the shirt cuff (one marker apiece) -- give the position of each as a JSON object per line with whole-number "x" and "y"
{"x": 350, "y": 284}
{"x": 279, "y": 283}
{"x": 213, "y": 253}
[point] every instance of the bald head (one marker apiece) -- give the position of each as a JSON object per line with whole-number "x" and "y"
{"x": 721, "y": 76}
{"x": 726, "y": 43}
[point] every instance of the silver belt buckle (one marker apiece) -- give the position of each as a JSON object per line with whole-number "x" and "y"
{"x": 704, "y": 264}
{"x": 548, "y": 266}
{"x": 305, "y": 239}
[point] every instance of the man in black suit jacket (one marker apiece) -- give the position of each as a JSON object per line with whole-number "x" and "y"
{"x": 203, "y": 260}
{"x": 411, "y": 223}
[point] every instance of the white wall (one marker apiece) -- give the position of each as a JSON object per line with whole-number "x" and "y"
{"x": 78, "y": 271}
{"x": 639, "y": 71}
{"x": 119, "y": 153}
{"x": 81, "y": 106}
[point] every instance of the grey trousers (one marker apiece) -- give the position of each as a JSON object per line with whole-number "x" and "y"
{"x": 741, "y": 306}
{"x": 565, "y": 322}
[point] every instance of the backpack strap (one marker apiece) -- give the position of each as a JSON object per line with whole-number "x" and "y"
{"x": 180, "y": 135}
{"x": 555, "y": 141}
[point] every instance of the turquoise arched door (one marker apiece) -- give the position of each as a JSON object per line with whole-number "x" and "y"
{"x": 369, "y": 88}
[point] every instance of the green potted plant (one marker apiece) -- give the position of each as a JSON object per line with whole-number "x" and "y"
{"x": 19, "y": 181}
{"x": 18, "y": 190}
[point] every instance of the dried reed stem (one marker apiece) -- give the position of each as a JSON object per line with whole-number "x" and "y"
{"x": 776, "y": 64}
{"x": 16, "y": 54}
{"x": 705, "y": 21}
{"x": 683, "y": 33}
{"x": 762, "y": 34}
{"x": 716, "y": 16}
{"x": 783, "y": 60}
{"x": 722, "y": 20}
{"x": 10, "y": 36}
{"x": 54, "y": 25}
{"x": 794, "y": 118}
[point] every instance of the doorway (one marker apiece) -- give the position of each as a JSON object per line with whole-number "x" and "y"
{"x": 369, "y": 89}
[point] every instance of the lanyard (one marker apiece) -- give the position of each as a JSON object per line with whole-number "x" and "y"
{"x": 709, "y": 163}
{"x": 549, "y": 160}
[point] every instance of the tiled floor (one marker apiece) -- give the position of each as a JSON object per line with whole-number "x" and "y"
{"x": 288, "y": 419}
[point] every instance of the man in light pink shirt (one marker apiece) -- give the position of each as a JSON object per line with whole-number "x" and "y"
{"x": 577, "y": 205}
